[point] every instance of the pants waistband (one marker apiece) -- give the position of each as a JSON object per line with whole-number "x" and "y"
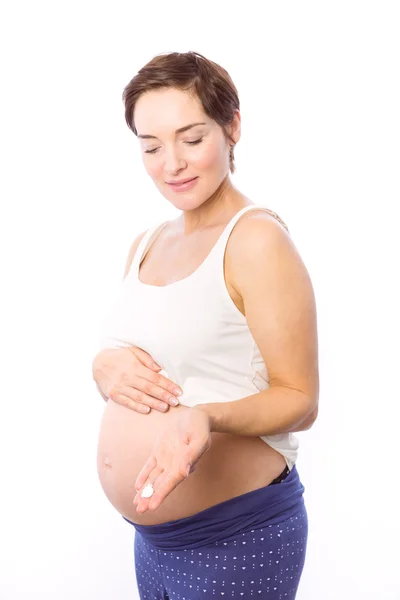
{"x": 263, "y": 507}
{"x": 282, "y": 476}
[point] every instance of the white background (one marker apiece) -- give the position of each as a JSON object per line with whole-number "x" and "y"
{"x": 319, "y": 90}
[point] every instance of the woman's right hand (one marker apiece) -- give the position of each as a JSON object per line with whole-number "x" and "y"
{"x": 130, "y": 377}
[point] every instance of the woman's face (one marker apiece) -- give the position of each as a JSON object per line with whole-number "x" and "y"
{"x": 200, "y": 152}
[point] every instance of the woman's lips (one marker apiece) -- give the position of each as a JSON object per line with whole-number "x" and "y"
{"x": 182, "y": 187}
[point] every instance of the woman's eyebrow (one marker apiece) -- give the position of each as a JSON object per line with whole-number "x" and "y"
{"x": 180, "y": 130}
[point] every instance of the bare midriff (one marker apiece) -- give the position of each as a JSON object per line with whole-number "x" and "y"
{"x": 232, "y": 466}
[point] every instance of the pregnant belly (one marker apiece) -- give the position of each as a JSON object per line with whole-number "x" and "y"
{"x": 232, "y": 466}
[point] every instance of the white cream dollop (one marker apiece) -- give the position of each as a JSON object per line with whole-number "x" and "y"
{"x": 147, "y": 491}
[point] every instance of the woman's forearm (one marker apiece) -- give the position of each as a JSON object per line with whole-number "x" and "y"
{"x": 306, "y": 424}
{"x": 273, "y": 411}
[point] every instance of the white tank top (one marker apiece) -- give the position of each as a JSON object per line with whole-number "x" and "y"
{"x": 195, "y": 332}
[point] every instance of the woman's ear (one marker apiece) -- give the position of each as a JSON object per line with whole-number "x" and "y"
{"x": 235, "y": 126}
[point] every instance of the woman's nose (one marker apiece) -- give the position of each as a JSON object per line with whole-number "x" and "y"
{"x": 174, "y": 162}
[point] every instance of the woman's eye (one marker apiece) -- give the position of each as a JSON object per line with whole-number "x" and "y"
{"x": 195, "y": 142}
{"x": 154, "y": 150}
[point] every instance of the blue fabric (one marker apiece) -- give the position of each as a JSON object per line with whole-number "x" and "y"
{"x": 266, "y": 506}
{"x": 262, "y": 563}
{"x": 252, "y": 546}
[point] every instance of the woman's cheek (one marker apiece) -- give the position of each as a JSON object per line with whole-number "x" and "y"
{"x": 153, "y": 168}
{"x": 209, "y": 158}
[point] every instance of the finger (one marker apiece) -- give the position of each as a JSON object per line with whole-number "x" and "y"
{"x": 146, "y": 382}
{"x": 152, "y": 478}
{"x": 155, "y": 391}
{"x": 135, "y": 395}
{"x": 149, "y": 465}
{"x": 145, "y": 358}
{"x": 140, "y": 501}
{"x": 138, "y": 401}
{"x": 159, "y": 383}
{"x": 155, "y": 404}
{"x": 129, "y": 403}
{"x": 166, "y": 483}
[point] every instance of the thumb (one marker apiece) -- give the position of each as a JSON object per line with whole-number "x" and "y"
{"x": 145, "y": 358}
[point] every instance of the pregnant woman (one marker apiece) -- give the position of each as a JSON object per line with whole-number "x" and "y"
{"x": 199, "y": 453}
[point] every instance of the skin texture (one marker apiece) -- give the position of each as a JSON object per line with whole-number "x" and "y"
{"x": 219, "y": 442}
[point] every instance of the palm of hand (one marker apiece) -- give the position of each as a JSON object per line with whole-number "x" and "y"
{"x": 174, "y": 455}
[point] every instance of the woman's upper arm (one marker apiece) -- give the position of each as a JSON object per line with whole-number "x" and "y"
{"x": 270, "y": 276}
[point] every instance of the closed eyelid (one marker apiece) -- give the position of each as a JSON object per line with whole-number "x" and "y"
{"x": 195, "y": 132}
{"x": 190, "y": 142}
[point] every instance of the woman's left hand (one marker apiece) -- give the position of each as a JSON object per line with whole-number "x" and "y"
{"x": 175, "y": 453}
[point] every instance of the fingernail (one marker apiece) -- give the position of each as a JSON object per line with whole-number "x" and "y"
{"x": 173, "y": 401}
{"x": 177, "y": 391}
{"x": 188, "y": 471}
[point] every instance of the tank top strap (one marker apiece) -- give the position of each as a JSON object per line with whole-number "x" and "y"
{"x": 213, "y": 265}
{"x": 145, "y": 245}
{"x": 216, "y": 252}
{"x": 223, "y": 240}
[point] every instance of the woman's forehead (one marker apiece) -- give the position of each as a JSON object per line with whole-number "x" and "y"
{"x": 167, "y": 110}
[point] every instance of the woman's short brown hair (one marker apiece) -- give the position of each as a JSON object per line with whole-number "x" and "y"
{"x": 188, "y": 71}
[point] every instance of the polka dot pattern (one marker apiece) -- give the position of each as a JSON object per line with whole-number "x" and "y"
{"x": 264, "y": 562}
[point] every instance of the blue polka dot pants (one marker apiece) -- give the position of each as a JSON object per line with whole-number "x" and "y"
{"x": 263, "y": 563}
